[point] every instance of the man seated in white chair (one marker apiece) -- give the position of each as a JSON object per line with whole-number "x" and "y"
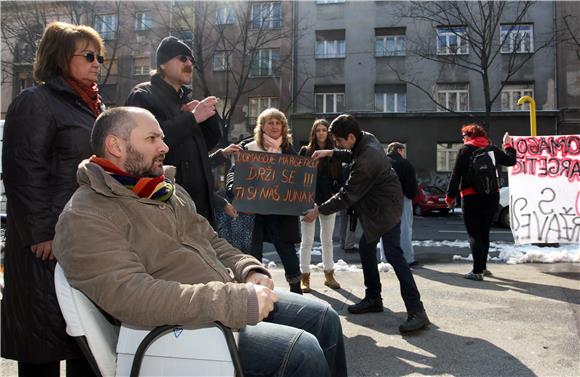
{"x": 131, "y": 240}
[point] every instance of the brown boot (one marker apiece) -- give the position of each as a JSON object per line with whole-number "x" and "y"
{"x": 330, "y": 281}
{"x": 305, "y": 280}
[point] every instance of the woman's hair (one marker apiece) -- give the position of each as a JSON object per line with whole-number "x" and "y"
{"x": 265, "y": 116}
{"x": 313, "y": 142}
{"x": 57, "y": 46}
{"x": 471, "y": 131}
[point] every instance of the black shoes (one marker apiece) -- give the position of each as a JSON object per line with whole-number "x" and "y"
{"x": 351, "y": 250}
{"x": 414, "y": 322}
{"x": 295, "y": 288}
{"x": 367, "y": 305}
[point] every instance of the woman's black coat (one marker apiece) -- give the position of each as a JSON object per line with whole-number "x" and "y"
{"x": 46, "y": 136}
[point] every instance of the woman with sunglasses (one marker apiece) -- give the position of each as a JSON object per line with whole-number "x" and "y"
{"x": 46, "y": 135}
{"x": 478, "y": 207}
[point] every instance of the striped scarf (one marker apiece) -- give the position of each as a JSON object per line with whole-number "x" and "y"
{"x": 157, "y": 188}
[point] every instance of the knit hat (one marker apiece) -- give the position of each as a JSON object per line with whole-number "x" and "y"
{"x": 169, "y": 48}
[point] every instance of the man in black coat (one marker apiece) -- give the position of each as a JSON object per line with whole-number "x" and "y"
{"x": 374, "y": 191}
{"x": 191, "y": 128}
{"x": 406, "y": 173}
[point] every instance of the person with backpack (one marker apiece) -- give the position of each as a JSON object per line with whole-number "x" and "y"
{"x": 475, "y": 177}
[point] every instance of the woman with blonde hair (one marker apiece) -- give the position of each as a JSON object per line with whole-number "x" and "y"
{"x": 272, "y": 135}
{"x": 327, "y": 184}
{"x": 46, "y": 136}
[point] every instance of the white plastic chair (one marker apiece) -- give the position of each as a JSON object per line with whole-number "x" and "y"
{"x": 126, "y": 351}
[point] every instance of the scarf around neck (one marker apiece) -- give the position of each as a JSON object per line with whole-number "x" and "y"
{"x": 88, "y": 93}
{"x": 272, "y": 145}
{"x": 156, "y": 188}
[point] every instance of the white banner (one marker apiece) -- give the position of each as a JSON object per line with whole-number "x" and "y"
{"x": 545, "y": 189}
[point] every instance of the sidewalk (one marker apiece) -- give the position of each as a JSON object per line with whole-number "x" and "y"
{"x": 524, "y": 321}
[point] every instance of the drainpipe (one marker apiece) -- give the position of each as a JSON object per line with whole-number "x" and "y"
{"x": 556, "y": 45}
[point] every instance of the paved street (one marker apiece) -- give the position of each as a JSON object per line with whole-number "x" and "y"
{"x": 524, "y": 321}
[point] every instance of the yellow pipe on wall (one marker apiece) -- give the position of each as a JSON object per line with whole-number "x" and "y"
{"x": 530, "y": 100}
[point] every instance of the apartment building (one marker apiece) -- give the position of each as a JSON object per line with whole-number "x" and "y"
{"x": 406, "y": 77}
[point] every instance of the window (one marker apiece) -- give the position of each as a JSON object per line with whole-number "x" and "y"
{"x": 225, "y": 15}
{"x": 390, "y": 99}
{"x": 452, "y": 41}
{"x": 106, "y": 26}
{"x": 454, "y": 97}
{"x": 446, "y": 156}
{"x": 329, "y": 99}
{"x": 330, "y": 44}
{"x": 516, "y": 38}
{"x": 266, "y": 15}
{"x": 265, "y": 62}
{"x": 141, "y": 66}
{"x": 511, "y": 93}
{"x": 322, "y": 2}
{"x": 390, "y": 42}
{"x": 221, "y": 60}
{"x": 259, "y": 104}
{"x": 143, "y": 21}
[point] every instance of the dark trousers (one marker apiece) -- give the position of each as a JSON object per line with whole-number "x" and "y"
{"x": 270, "y": 231}
{"x": 74, "y": 368}
{"x": 394, "y": 255}
{"x": 478, "y": 224}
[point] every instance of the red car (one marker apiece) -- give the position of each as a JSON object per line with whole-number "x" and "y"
{"x": 429, "y": 198}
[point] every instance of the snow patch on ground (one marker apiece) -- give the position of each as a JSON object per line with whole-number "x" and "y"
{"x": 515, "y": 254}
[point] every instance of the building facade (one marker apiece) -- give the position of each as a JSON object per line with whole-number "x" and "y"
{"x": 405, "y": 76}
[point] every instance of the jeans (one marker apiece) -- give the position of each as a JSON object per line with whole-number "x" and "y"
{"x": 326, "y": 230}
{"x": 347, "y": 237}
{"x": 301, "y": 338}
{"x": 286, "y": 250}
{"x": 394, "y": 255}
{"x": 407, "y": 230}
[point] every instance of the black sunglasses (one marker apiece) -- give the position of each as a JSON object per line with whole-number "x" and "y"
{"x": 184, "y": 58}
{"x": 90, "y": 56}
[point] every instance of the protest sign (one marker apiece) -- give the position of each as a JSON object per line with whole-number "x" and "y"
{"x": 273, "y": 183}
{"x": 545, "y": 189}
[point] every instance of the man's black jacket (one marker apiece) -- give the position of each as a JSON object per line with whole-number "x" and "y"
{"x": 188, "y": 141}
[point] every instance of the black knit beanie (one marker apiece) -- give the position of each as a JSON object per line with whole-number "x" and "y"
{"x": 169, "y": 48}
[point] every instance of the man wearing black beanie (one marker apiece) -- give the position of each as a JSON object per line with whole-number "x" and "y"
{"x": 191, "y": 127}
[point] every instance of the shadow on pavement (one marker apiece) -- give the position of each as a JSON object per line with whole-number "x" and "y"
{"x": 438, "y": 352}
{"x": 497, "y": 283}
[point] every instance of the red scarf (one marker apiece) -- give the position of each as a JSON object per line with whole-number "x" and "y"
{"x": 478, "y": 142}
{"x": 88, "y": 93}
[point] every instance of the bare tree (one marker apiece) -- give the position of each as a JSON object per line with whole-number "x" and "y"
{"x": 487, "y": 41}
{"x": 236, "y": 35}
{"x": 572, "y": 32}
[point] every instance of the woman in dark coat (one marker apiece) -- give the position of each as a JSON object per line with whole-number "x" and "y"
{"x": 478, "y": 208}
{"x": 271, "y": 134}
{"x": 46, "y": 135}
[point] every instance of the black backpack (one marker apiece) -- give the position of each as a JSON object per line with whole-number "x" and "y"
{"x": 482, "y": 171}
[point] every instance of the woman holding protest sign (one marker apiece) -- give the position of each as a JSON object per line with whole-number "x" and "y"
{"x": 327, "y": 184}
{"x": 272, "y": 135}
{"x": 475, "y": 178}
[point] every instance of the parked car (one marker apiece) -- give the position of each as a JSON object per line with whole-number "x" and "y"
{"x": 428, "y": 199}
{"x": 502, "y": 216}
